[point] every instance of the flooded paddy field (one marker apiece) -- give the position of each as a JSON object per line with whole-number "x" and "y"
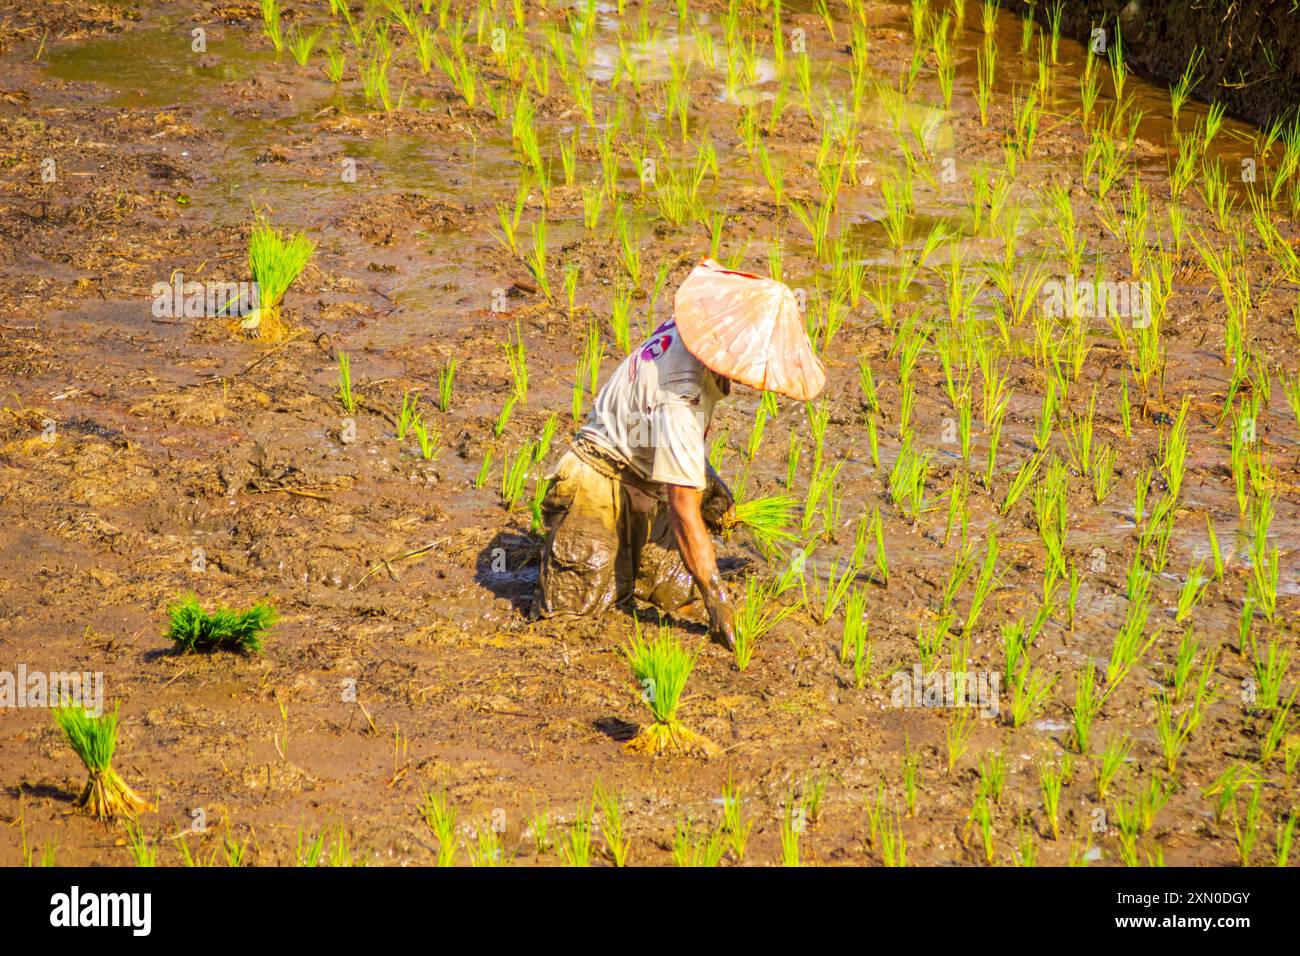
{"x": 1041, "y": 602}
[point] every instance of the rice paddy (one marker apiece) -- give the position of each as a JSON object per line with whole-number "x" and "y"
{"x": 1018, "y": 589}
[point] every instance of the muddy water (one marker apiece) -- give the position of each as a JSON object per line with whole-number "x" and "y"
{"x": 156, "y": 65}
{"x": 254, "y": 468}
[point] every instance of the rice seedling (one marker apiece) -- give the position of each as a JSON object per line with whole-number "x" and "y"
{"x": 486, "y": 850}
{"x": 1246, "y": 826}
{"x": 1179, "y": 674}
{"x": 1277, "y": 730}
{"x": 1030, "y": 687}
{"x": 792, "y": 827}
{"x": 837, "y": 588}
{"x": 893, "y": 845}
{"x": 755, "y": 618}
{"x": 374, "y": 82}
{"x": 335, "y": 63}
{"x": 855, "y": 624}
{"x": 756, "y": 433}
{"x": 734, "y": 827}
{"x": 517, "y": 360}
{"x": 1180, "y": 91}
{"x": 961, "y": 724}
{"x": 993, "y": 776}
{"x": 629, "y": 249}
{"x": 1103, "y": 474}
{"x": 661, "y": 667}
{"x": 698, "y": 849}
{"x": 514, "y": 474}
{"x": 1225, "y": 787}
{"x": 814, "y": 790}
{"x": 508, "y": 219}
{"x": 446, "y": 383}
{"x": 620, "y": 319}
{"x": 310, "y": 851}
{"x": 1020, "y": 483}
{"x": 275, "y": 260}
{"x": 428, "y": 437}
{"x": 539, "y": 827}
{"x": 1087, "y": 704}
{"x": 191, "y": 629}
{"x": 503, "y": 416}
{"x": 617, "y": 842}
{"x": 484, "y": 469}
{"x": 1173, "y": 732}
{"x": 536, "y": 260}
{"x": 48, "y": 851}
{"x": 766, "y": 519}
{"x": 1050, "y": 779}
{"x": 575, "y": 848}
{"x": 235, "y": 851}
{"x": 1285, "y": 837}
{"x": 1110, "y": 763}
{"x": 94, "y": 740}
{"x": 985, "y": 582}
{"x": 440, "y": 816}
{"x": 981, "y": 816}
{"x": 907, "y": 480}
{"x": 346, "y": 398}
{"x": 1026, "y": 112}
{"x": 1270, "y": 670}
{"x": 1128, "y": 646}
{"x": 407, "y": 415}
{"x": 271, "y": 26}
{"x": 820, "y": 498}
{"x": 1263, "y": 559}
{"x": 302, "y": 43}
{"x": 1194, "y": 588}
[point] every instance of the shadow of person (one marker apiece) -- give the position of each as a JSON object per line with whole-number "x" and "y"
{"x": 508, "y": 565}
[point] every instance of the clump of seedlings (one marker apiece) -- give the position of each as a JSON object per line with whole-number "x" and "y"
{"x": 661, "y": 667}
{"x": 275, "y": 259}
{"x": 94, "y": 739}
{"x": 191, "y": 629}
{"x": 766, "y": 519}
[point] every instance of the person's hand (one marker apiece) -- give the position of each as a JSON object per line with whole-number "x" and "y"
{"x": 722, "y": 625}
{"x": 718, "y": 500}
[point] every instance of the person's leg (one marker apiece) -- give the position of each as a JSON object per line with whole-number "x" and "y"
{"x": 581, "y": 554}
{"x": 662, "y": 578}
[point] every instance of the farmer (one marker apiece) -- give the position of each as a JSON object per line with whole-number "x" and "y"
{"x": 632, "y": 504}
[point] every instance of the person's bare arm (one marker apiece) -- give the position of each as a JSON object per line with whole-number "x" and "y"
{"x": 696, "y": 546}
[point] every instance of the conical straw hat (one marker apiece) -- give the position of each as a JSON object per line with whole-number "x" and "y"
{"x": 747, "y": 328}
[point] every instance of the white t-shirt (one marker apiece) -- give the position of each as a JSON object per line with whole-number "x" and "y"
{"x": 655, "y": 409}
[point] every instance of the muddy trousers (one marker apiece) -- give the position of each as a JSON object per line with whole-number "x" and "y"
{"x": 607, "y": 541}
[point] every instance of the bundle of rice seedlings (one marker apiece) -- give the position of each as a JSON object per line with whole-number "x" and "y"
{"x": 191, "y": 628}
{"x": 275, "y": 260}
{"x": 94, "y": 739}
{"x": 661, "y": 666}
{"x": 767, "y": 519}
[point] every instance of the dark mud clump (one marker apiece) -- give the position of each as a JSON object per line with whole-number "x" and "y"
{"x": 1250, "y": 50}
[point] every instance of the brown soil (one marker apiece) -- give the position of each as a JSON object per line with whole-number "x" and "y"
{"x": 176, "y": 438}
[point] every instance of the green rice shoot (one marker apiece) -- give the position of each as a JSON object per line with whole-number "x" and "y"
{"x": 275, "y": 259}
{"x": 661, "y": 667}
{"x": 191, "y": 629}
{"x": 94, "y": 740}
{"x": 768, "y": 520}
